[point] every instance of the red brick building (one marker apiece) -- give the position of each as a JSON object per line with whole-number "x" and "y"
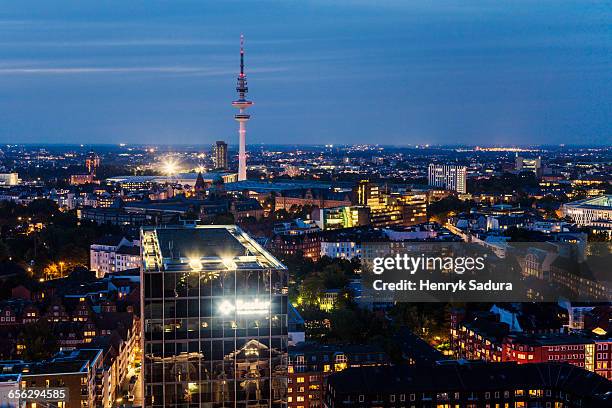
{"x": 310, "y": 363}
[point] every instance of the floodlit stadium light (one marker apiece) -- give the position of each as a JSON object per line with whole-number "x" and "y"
{"x": 170, "y": 166}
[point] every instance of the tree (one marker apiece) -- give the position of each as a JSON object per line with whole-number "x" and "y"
{"x": 5, "y": 252}
{"x": 223, "y": 219}
{"x": 311, "y": 288}
{"x": 39, "y": 341}
{"x": 334, "y": 277}
{"x": 42, "y": 207}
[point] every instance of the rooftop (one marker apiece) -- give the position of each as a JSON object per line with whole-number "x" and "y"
{"x": 549, "y": 339}
{"x": 64, "y": 362}
{"x": 458, "y": 376}
{"x": 603, "y": 202}
{"x": 182, "y": 178}
{"x": 203, "y": 247}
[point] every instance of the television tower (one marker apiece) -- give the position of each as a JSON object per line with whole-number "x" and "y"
{"x": 242, "y": 117}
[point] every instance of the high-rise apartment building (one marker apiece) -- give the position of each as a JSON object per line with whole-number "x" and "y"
{"x": 450, "y": 177}
{"x": 220, "y": 155}
{"x": 214, "y": 307}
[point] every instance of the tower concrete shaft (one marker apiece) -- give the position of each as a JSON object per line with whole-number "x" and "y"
{"x": 242, "y": 117}
{"x": 242, "y": 151}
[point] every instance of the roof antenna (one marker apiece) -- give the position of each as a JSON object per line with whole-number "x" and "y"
{"x": 241, "y": 54}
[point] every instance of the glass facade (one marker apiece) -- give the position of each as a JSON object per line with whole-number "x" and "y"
{"x": 214, "y": 327}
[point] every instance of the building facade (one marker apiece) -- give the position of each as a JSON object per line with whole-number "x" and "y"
{"x": 589, "y": 211}
{"x": 310, "y": 364}
{"x": 220, "y": 155}
{"x": 214, "y": 307}
{"x": 468, "y": 384}
{"x": 528, "y": 164}
{"x": 92, "y": 162}
{"x": 113, "y": 255}
{"x": 9, "y": 179}
{"x": 449, "y": 177}
{"x": 74, "y": 370}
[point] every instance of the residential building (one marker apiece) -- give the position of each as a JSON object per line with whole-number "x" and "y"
{"x": 220, "y": 155}
{"x": 113, "y": 254}
{"x": 296, "y": 237}
{"x": 311, "y": 363}
{"x": 468, "y": 384}
{"x": 75, "y": 370}
{"x": 450, "y": 177}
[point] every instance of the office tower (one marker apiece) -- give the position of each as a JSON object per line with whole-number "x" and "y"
{"x": 368, "y": 194}
{"x": 92, "y": 162}
{"x": 214, "y": 308}
{"x": 414, "y": 208}
{"x": 449, "y": 177}
{"x": 526, "y": 164}
{"x": 241, "y": 117}
{"x": 220, "y": 155}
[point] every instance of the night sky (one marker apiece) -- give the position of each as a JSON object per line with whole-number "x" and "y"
{"x": 364, "y": 71}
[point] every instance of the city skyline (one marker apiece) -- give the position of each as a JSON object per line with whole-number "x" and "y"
{"x": 421, "y": 215}
{"x": 481, "y": 74}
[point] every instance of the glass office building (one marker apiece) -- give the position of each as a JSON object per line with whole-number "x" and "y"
{"x": 214, "y": 313}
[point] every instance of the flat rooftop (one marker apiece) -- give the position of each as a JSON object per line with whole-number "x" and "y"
{"x": 203, "y": 247}
{"x": 181, "y": 177}
{"x": 603, "y": 202}
{"x": 64, "y": 362}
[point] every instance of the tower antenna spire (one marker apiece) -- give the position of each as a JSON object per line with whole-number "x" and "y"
{"x": 241, "y": 54}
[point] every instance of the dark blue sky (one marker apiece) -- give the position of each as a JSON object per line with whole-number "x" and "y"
{"x": 390, "y": 72}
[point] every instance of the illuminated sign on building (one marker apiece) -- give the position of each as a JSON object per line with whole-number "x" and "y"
{"x": 242, "y": 307}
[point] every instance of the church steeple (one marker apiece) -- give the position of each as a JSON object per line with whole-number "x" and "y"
{"x": 200, "y": 185}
